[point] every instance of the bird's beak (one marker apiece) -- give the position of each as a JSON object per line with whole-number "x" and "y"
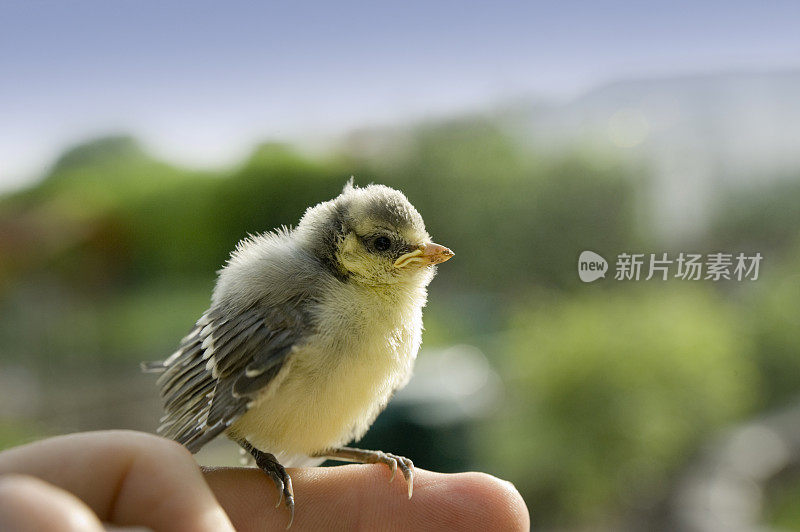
{"x": 435, "y": 254}
{"x": 427, "y": 255}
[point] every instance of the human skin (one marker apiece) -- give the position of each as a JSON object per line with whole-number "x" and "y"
{"x": 79, "y": 482}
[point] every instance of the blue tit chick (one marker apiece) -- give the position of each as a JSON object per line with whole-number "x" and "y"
{"x": 309, "y": 333}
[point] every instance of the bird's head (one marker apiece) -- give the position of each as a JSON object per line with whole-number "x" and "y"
{"x": 374, "y": 236}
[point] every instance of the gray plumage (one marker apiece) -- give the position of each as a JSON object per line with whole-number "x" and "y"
{"x": 309, "y": 331}
{"x": 221, "y": 364}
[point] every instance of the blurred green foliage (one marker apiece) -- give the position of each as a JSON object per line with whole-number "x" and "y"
{"x": 191, "y": 229}
{"x": 610, "y": 392}
{"x": 764, "y": 218}
{"x": 783, "y": 511}
{"x": 773, "y": 315}
{"x": 14, "y": 433}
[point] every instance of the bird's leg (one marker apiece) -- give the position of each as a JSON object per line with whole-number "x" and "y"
{"x": 351, "y": 454}
{"x": 270, "y": 465}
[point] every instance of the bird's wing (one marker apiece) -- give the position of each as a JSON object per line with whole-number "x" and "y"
{"x": 221, "y": 365}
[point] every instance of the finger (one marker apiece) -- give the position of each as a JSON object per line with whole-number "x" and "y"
{"x": 361, "y": 497}
{"x": 125, "y": 477}
{"x": 29, "y": 504}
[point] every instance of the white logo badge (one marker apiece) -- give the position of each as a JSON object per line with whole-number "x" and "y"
{"x": 591, "y": 266}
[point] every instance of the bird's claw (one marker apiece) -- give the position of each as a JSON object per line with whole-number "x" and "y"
{"x": 288, "y": 496}
{"x": 278, "y": 484}
{"x": 351, "y": 454}
{"x": 283, "y": 483}
{"x": 406, "y": 467}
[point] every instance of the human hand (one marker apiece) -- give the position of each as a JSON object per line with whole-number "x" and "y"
{"x": 80, "y": 481}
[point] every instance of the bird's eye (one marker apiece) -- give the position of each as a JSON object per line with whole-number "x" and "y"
{"x": 382, "y": 243}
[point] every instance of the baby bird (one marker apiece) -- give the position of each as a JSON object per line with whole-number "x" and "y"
{"x": 309, "y": 333}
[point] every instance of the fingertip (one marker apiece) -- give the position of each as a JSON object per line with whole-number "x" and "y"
{"x": 501, "y": 505}
{"x": 30, "y": 504}
{"x": 466, "y": 501}
{"x": 124, "y": 477}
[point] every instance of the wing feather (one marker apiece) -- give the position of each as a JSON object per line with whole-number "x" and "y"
{"x": 225, "y": 361}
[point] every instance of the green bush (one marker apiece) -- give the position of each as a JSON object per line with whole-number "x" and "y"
{"x": 773, "y": 310}
{"x": 610, "y": 391}
{"x": 763, "y": 218}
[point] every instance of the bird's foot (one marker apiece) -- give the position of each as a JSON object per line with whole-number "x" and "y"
{"x": 351, "y": 454}
{"x": 283, "y": 482}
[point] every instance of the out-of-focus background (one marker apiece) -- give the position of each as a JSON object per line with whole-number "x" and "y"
{"x": 139, "y": 143}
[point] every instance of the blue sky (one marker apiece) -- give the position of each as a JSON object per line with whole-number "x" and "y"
{"x": 201, "y": 82}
